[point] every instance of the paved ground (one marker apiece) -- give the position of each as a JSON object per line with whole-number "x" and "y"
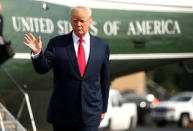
{"x": 167, "y": 128}
{"x": 174, "y": 128}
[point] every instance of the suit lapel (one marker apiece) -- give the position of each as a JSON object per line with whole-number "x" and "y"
{"x": 72, "y": 55}
{"x": 91, "y": 55}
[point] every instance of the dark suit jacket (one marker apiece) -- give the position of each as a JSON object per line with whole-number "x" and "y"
{"x": 75, "y": 98}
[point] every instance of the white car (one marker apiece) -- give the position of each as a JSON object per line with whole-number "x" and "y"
{"x": 178, "y": 109}
{"x": 119, "y": 116}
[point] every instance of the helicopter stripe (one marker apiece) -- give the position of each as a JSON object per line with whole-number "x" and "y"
{"x": 143, "y": 5}
{"x": 145, "y": 56}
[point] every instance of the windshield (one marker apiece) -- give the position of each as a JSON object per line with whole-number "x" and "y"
{"x": 180, "y": 98}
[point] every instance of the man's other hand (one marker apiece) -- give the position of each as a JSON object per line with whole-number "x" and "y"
{"x": 102, "y": 116}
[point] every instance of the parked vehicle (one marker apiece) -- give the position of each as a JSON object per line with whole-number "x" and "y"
{"x": 120, "y": 116}
{"x": 178, "y": 109}
{"x": 143, "y": 102}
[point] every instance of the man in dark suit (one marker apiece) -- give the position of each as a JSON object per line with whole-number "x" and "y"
{"x": 80, "y": 63}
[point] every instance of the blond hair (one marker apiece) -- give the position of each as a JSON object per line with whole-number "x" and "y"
{"x": 82, "y": 7}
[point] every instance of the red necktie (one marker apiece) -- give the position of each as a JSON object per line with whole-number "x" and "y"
{"x": 81, "y": 57}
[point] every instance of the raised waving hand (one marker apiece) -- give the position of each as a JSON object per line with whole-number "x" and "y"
{"x": 35, "y": 45}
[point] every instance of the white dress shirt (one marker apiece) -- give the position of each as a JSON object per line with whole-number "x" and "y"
{"x": 86, "y": 45}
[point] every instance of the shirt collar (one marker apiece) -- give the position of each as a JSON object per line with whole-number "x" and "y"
{"x": 86, "y": 38}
